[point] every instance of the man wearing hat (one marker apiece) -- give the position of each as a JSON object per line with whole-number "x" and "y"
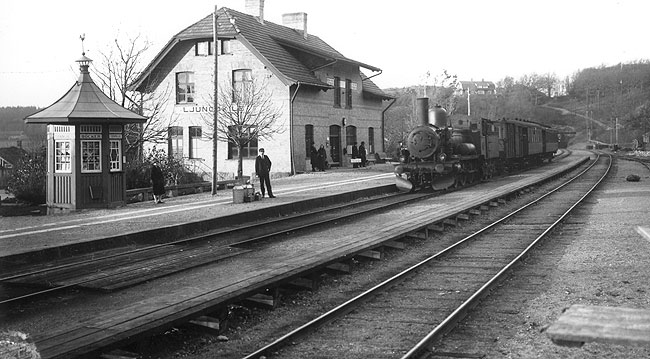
{"x": 262, "y": 169}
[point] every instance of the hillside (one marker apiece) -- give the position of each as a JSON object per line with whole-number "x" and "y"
{"x": 14, "y": 131}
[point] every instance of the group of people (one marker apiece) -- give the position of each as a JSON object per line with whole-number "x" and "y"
{"x": 359, "y": 152}
{"x": 318, "y": 158}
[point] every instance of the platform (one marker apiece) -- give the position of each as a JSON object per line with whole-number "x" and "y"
{"x": 157, "y": 305}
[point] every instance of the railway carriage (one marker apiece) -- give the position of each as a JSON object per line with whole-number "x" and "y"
{"x": 440, "y": 155}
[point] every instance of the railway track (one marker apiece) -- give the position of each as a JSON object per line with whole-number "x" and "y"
{"x": 403, "y": 315}
{"x": 285, "y": 262}
{"x": 119, "y": 268}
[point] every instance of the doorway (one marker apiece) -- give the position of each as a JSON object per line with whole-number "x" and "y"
{"x": 335, "y": 145}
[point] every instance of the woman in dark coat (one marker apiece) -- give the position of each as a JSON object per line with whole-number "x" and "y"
{"x": 322, "y": 158}
{"x": 158, "y": 181}
{"x": 313, "y": 156}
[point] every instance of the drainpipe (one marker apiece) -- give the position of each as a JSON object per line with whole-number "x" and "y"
{"x": 383, "y": 125}
{"x": 293, "y": 97}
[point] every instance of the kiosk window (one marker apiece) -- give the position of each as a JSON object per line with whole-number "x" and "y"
{"x": 116, "y": 155}
{"x": 62, "y": 157}
{"x": 91, "y": 156}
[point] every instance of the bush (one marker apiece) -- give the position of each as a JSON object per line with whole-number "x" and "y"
{"x": 28, "y": 180}
{"x": 138, "y": 173}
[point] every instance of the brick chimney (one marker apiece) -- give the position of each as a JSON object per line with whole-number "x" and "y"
{"x": 296, "y": 20}
{"x": 255, "y": 8}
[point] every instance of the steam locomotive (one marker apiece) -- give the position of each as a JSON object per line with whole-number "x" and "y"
{"x": 439, "y": 156}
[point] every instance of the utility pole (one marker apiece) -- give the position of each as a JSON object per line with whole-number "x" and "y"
{"x": 215, "y": 42}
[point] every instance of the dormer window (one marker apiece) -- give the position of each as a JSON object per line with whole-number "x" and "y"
{"x": 203, "y": 48}
{"x": 224, "y": 45}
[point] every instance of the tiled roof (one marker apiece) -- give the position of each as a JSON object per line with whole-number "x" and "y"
{"x": 273, "y": 43}
{"x": 370, "y": 87}
{"x": 84, "y": 103}
{"x": 12, "y": 154}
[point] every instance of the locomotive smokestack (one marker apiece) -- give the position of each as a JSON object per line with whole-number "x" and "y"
{"x": 422, "y": 110}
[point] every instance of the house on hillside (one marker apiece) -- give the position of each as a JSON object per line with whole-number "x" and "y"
{"x": 323, "y": 96}
{"x": 476, "y": 87}
{"x": 9, "y": 157}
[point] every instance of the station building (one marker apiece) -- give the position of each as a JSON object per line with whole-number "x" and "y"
{"x": 322, "y": 95}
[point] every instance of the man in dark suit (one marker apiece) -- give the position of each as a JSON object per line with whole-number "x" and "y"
{"x": 262, "y": 169}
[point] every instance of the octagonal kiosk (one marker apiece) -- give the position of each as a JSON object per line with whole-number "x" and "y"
{"x": 85, "y": 144}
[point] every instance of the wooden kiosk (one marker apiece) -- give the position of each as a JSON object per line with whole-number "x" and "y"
{"x": 85, "y": 144}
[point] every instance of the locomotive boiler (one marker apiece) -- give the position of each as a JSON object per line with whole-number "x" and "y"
{"x": 438, "y": 155}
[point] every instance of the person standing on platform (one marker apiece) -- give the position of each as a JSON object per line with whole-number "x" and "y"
{"x": 158, "y": 182}
{"x": 313, "y": 156}
{"x": 362, "y": 153}
{"x": 263, "y": 169}
{"x": 322, "y": 158}
{"x": 355, "y": 155}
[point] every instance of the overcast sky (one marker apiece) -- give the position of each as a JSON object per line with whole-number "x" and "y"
{"x": 474, "y": 39}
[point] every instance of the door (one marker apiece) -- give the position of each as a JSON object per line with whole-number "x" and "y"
{"x": 335, "y": 145}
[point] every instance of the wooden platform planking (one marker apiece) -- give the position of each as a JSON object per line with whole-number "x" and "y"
{"x": 610, "y": 325}
{"x": 126, "y": 271}
{"x": 158, "y": 313}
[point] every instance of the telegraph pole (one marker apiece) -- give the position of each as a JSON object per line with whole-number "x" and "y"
{"x": 215, "y": 40}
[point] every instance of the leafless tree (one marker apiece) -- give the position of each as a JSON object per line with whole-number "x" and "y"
{"x": 119, "y": 67}
{"x": 245, "y": 113}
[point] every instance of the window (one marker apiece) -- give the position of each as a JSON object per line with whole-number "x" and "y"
{"x": 350, "y": 135}
{"x": 62, "y": 157}
{"x": 184, "y": 87}
{"x": 241, "y": 81}
{"x": 225, "y": 47}
{"x": 337, "y": 92}
{"x": 371, "y": 140}
{"x": 249, "y": 150}
{"x": 195, "y": 137}
{"x": 115, "y": 156}
{"x": 91, "y": 156}
{"x": 203, "y": 48}
{"x": 348, "y": 93}
{"x": 175, "y": 141}
{"x": 309, "y": 138}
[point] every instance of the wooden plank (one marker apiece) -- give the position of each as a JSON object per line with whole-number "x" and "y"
{"x": 436, "y": 227}
{"x": 416, "y": 235}
{"x": 207, "y": 322}
{"x": 610, "y": 325}
{"x": 306, "y": 283}
{"x": 339, "y": 267}
{"x": 475, "y": 212}
{"x": 484, "y": 208}
{"x": 494, "y": 204}
{"x": 371, "y": 254}
{"x": 462, "y": 216}
{"x": 119, "y": 354}
{"x": 450, "y": 222}
{"x": 394, "y": 244}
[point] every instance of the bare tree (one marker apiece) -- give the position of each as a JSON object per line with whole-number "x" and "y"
{"x": 245, "y": 113}
{"x": 119, "y": 68}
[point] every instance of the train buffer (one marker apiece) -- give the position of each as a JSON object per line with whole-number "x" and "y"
{"x": 610, "y": 325}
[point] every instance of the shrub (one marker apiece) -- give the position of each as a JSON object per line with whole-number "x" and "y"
{"x": 28, "y": 180}
{"x": 138, "y": 173}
